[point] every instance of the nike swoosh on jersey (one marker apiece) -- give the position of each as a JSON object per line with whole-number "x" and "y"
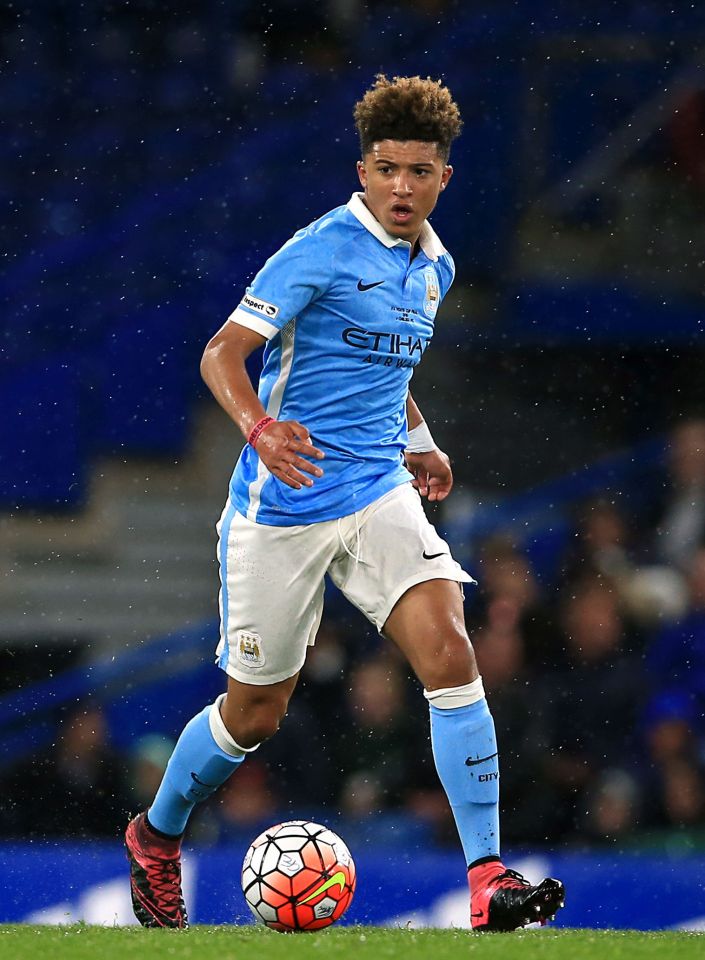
{"x": 337, "y": 878}
{"x": 432, "y": 556}
{"x": 367, "y": 286}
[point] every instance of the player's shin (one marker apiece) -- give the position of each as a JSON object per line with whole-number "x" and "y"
{"x": 203, "y": 759}
{"x": 465, "y": 753}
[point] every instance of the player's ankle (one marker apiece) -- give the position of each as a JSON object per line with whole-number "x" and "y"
{"x": 159, "y": 834}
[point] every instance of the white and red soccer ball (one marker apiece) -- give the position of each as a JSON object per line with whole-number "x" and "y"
{"x": 298, "y": 876}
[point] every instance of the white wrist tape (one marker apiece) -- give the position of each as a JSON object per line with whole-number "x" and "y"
{"x": 420, "y": 439}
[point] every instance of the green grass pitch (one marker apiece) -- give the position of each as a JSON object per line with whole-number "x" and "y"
{"x": 81, "y": 942}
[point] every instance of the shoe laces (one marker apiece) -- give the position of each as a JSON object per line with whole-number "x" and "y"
{"x": 510, "y": 878}
{"x": 164, "y": 877}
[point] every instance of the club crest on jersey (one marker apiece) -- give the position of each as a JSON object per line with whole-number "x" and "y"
{"x": 249, "y": 649}
{"x": 433, "y": 293}
{"x": 261, "y": 306}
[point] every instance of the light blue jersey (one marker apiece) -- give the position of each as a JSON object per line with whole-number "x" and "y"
{"x": 347, "y": 317}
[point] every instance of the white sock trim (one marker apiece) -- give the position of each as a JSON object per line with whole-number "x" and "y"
{"x": 448, "y": 697}
{"x": 221, "y": 735}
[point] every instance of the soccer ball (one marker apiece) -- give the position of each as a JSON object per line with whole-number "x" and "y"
{"x": 298, "y": 876}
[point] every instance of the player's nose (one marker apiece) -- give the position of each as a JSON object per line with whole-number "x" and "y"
{"x": 402, "y": 185}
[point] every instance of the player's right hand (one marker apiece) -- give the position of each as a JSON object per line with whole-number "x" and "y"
{"x": 282, "y": 448}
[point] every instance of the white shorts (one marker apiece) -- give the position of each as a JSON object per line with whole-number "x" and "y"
{"x": 272, "y": 578}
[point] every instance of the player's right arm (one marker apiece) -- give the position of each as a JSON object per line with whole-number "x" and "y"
{"x": 283, "y": 445}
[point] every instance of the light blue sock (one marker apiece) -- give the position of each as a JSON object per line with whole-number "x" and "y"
{"x": 196, "y": 768}
{"x": 465, "y": 752}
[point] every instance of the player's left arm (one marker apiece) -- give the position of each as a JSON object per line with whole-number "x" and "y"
{"x": 433, "y": 477}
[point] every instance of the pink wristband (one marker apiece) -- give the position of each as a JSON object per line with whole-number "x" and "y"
{"x": 259, "y": 429}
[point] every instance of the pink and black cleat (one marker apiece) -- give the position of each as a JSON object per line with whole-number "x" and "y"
{"x": 503, "y": 900}
{"x": 155, "y": 876}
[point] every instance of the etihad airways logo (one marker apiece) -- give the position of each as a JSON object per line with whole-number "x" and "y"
{"x": 408, "y": 349}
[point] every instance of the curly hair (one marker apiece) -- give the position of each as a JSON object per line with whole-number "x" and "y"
{"x": 407, "y": 108}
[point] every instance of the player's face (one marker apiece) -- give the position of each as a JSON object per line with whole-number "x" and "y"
{"x": 402, "y": 180}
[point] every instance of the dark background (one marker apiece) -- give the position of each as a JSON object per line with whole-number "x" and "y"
{"x": 153, "y": 156}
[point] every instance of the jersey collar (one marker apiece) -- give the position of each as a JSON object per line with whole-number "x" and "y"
{"x": 428, "y": 238}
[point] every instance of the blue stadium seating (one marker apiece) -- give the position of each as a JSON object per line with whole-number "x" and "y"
{"x": 135, "y": 233}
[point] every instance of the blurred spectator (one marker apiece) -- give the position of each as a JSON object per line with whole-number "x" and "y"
{"x": 299, "y": 759}
{"x": 600, "y": 543}
{"x": 593, "y": 701}
{"x": 653, "y": 595}
{"x": 676, "y": 658}
{"x": 149, "y": 758}
{"x": 682, "y": 795}
{"x": 506, "y": 573}
{"x": 675, "y": 717}
{"x": 603, "y": 546}
{"x": 676, "y": 792}
{"x": 323, "y": 675}
{"x": 384, "y": 762}
{"x": 680, "y": 524}
{"x": 613, "y": 806}
{"x": 500, "y": 646}
{"x": 374, "y": 745}
{"x": 77, "y": 789}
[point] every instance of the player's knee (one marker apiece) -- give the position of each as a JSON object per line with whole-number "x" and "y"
{"x": 451, "y": 661}
{"x": 252, "y": 724}
{"x": 249, "y": 731}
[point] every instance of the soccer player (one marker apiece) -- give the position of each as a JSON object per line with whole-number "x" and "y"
{"x": 337, "y": 458}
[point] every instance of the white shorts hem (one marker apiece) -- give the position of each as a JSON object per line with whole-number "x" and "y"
{"x": 258, "y": 681}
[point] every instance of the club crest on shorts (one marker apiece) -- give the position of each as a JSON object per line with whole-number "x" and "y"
{"x": 249, "y": 649}
{"x": 433, "y": 293}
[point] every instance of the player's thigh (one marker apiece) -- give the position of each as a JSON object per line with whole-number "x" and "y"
{"x": 428, "y": 625}
{"x": 398, "y": 551}
{"x": 271, "y": 596}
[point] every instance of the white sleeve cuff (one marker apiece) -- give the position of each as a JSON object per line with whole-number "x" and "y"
{"x": 246, "y": 319}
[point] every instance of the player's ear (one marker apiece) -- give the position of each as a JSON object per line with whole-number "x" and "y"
{"x": 446, "y": 175}
{"x": 362, "y": 173}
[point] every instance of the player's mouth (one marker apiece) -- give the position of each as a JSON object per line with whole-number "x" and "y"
{"x": 402, "y": 212}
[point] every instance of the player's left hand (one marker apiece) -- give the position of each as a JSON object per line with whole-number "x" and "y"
{"x": 433, "y": 477}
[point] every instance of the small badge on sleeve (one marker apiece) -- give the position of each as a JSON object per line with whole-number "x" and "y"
{"x": 433, "y": 293}
{"x": 261, "y": 306}
{"x": 249, "y": 649}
